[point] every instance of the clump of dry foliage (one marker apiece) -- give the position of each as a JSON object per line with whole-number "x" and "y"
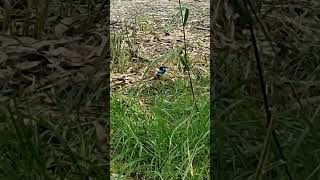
{"x": 46, "y": 45}
{"x": 283, "y": 28}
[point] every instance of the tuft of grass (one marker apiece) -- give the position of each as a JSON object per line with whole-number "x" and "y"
{"x": 156, "y": 131}
{"x": 50, "y": 133}
{"x": 119, "y": 54}
{"x": 144, "y": 25}
{"x": 52, "y": 142}
{"x": 240, "y": 119}
{"x": 152, "y": 136}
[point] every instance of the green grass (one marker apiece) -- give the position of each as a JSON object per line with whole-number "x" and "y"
{"x": 156, "y": 134}
{"x": 241, "y": 119}
{"x": 162, "y": 139}
{"x": 52, "y": 142}
{"x": 48, "y": 134}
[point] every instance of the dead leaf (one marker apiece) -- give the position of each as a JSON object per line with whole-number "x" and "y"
{"x": 62, "y": 51}
{"x": 68, "y": 20}
{"x": 28, "y": 65}
{"x": 7, "y": 41}
{"x": 60, "y": 29}
{"x": 20, "y": 50}
{"x": 27, "y": 40}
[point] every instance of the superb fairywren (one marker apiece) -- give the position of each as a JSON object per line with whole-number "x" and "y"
{"x": 162, "y": 70}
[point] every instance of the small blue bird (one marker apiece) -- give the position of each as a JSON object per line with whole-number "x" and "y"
{"x": 162, "y": 70}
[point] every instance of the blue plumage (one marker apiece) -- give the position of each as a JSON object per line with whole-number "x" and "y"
{"x": 162, "y": 70}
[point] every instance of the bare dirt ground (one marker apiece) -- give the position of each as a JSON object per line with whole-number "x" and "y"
{"x": 162, "y": 18}
{"x": 156, "y": 25}
{"x": 156, "y": 29}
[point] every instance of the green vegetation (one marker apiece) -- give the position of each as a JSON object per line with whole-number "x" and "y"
{"x": 41, "y": 142}
{"x": 156, "y": 130}
{"x": 241, "y": 122}
{"x": 52, "y": 108}
{"x": 158, "y": 135}
{"x": 51, "y": 91}
{"x": 290, "y": 62}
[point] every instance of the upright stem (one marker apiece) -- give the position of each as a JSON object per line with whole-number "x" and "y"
{"x": 187, "y": 65}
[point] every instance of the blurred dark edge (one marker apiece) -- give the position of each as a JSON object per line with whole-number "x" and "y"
{"x": 213, "y": 149}
{"x": 108, "y": 58}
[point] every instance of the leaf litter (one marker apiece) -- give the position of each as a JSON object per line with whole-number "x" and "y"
{"x": 154, "y": 34}
{"x": 48, "y": 71}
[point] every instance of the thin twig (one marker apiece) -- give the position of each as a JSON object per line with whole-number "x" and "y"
{"x": 187, "y": 64}
{"x": 270, "y": 130}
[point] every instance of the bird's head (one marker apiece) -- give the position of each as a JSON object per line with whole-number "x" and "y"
{"x": 162, "y": 70}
